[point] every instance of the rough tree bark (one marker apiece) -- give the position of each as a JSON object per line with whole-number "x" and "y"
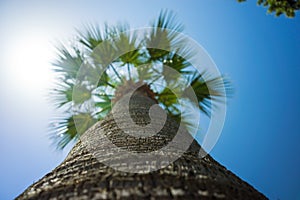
{"x": 82, "y": 176}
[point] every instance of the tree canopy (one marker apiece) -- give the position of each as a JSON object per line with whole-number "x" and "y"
{"x": 287, "y": 7}
{"x": 107, "y": 75}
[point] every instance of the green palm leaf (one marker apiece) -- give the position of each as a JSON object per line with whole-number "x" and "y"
{"x": 163, "y": 36}
{"x": 64, "y": 129}
{"x": 207, "y": 89}
{"x": 68, "y": 62}
{"x": 92, "y": 36}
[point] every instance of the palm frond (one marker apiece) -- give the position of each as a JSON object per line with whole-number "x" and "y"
{"x": 163, "y": 35}
{"x": 62, "y": 94}
{"x": 92, "y": 36}
{"x": 64, "y": 129}
{"x": 167, "y": 97}
{"x": 207, "y": 89}
{"x": 176, "y": 62}
{"x": 68, "y": 62}
{"x": 128, "y": 44}
{"x": 104, "y": 105}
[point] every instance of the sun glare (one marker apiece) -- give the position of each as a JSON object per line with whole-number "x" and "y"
{"x": 29, "y": 63}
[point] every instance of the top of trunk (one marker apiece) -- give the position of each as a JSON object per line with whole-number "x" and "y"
{"x": 136, "y": 87}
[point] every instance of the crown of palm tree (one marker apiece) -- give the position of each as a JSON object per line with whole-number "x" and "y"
{"x": 140, "y": 64}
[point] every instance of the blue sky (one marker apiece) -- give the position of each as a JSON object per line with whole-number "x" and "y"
{"x": 260, "y": 139}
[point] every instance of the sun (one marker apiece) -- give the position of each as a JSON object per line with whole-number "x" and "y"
{"x": 29, "y": 62}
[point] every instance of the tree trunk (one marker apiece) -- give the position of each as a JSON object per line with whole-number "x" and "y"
{"x": 84, "y": 174}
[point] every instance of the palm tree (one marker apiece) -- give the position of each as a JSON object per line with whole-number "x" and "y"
{"x": 111, "y": 75}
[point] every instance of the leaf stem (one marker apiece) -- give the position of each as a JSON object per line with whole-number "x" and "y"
{"x": 116, "y": 72}
{"x": 109, "y": 84}
{"x": 128, "y": 69}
